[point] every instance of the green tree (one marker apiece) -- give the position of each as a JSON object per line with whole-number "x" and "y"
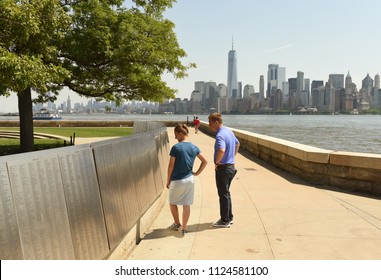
{"x": 30, "y": 33}
{"x": 97, "y": 48}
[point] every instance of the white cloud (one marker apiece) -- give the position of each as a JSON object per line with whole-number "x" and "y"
{"x": 276, "y": 49}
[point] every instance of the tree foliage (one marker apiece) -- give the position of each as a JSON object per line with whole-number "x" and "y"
{"x": 30, "y": 32}
{"x": 97, "y": 48}
{"x": 121, "y": 53}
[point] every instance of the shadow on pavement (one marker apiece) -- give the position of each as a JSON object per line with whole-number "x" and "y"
{"x": 165, "y": 232}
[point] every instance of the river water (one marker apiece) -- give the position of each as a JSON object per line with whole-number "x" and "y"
{"x": 351, "y": 133}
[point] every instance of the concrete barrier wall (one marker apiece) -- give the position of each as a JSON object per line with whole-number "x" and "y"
{"x": 82, "y": 202}
{"x": 358, "y": 172}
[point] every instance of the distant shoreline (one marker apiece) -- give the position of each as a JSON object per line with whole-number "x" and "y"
{"x": 198, "y": 114}
{"x": 9, "y": 114}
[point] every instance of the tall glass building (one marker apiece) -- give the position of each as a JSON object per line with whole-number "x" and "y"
{"x": 232, "y": 74}
{"x": 272, "y": 79}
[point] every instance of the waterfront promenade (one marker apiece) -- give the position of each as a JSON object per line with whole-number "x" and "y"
{"x": 277, "y": 216}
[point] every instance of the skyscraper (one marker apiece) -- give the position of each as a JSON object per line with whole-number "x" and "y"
{"x": 232, "y": 74}
{"x": 261, "y": 88}
{"x": 272, "y": 78}
{"x": 366, "y": 88}
{"x": 222, "y": 90}
{"x": 286, "y": 91}
{"x": 377, "y": 81}
{"x": 200, "y": 87}
{"x": 239, "y": 94}
{"x": 248, "y": 91}
{"x": 281, "y": 77}
{"x": 348, "y": 81}
{"x": 68, "y": 105}
{"x": 336, "y": 80}
{"x": 299, "y": 88}
{"x": 195, "y": 102}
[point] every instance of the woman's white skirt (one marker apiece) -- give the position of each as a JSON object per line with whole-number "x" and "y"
{"x": 181, "y": 192}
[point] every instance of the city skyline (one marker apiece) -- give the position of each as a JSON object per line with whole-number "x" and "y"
{"x": 319, "y": 39}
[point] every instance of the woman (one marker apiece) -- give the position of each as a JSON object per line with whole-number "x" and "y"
{"x": 180, "y": 180}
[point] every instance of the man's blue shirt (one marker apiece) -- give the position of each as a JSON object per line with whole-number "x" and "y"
{"x": 225, "y": 139}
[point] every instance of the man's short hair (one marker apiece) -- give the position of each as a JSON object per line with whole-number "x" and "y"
{"x": 215, "y": 117}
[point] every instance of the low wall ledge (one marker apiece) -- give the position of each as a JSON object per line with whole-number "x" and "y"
{"x": 363, "y": 160}
{"x": 300, "y": 151}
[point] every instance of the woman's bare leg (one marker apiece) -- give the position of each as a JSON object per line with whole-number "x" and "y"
{"x": 186, "y": 215}
{"x": 175, "y": 213}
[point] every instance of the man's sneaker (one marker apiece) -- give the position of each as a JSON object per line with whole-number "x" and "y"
{"x": 174, "y": 226}
{"x": 231, "y": 222}
{"x": 221, "y": 223}
{"x": 183, "y": 232}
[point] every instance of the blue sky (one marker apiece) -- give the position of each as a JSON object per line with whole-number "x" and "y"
{"x": 317, "y": 37}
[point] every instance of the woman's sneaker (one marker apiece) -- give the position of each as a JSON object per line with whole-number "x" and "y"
{"x": 183, "y": 232}
{"x": 174, "y": 226}
{"x": 220, "y": 223}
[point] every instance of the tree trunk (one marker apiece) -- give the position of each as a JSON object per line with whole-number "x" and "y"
{"x": 26, "y": 120}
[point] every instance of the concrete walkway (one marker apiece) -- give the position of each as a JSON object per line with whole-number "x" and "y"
{"x": 276, "y": 217}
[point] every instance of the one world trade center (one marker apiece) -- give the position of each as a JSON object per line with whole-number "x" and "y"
{"x": 232, "y": 74}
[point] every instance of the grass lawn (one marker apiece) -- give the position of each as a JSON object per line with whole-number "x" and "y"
{"x": 80, "y": 131}
{"x": 12, "y": 146}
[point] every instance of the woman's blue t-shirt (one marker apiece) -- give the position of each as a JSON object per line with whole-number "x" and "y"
{"x": 184, "y": 154}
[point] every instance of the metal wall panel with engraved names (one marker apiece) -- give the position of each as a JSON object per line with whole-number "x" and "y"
{"x": 126, "y": 181}
{"x": 163, "y": 153}
{"x": 129, "y": 192}
{"x": 38, "y": 194}
{"x": 135, "y": 148}
{"x": 106, "y": 169}
{"x": 160, "y": 161}
{"x": 145, "y": 126}
{"x": 116, "y": 182}
{"x": 10, "y": 245}
{"x": 165, "y": 147}
{"x": 159, "y": 149}
{"x": 162, "y": 148}
{"x": 155, "y": 163}
{"x": 83, "y": 203}
{"x": 140, "y": 155}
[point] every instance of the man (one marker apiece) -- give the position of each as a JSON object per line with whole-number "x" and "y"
{"x": 196, "y": 124}
{"x": 225, "y": 149}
